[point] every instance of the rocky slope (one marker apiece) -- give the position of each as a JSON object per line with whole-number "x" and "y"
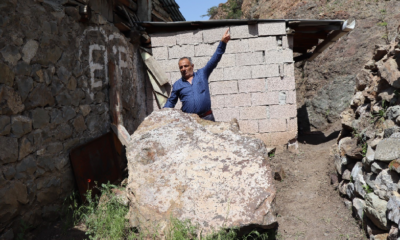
{"x": 367, "y": 158}
{"x": 325, "y": 85}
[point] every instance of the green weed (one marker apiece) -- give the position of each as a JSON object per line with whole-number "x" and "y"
{"x": 368, "y": 189}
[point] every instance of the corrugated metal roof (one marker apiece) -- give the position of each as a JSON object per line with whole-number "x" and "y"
{"x": 173, "y": 9}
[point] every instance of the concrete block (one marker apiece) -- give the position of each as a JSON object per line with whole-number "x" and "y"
{"x": 292, "y": 124}
{"x": 217, "y": 101}
{"x": 238, "y": 46}
{"x": 248, "y": 126}
{"x": 278, "y": 84}
{"x": 291, "y": 97}
{"x": 279, "y": 56}
{"x": 162, "y": 40}
{"x": 200, "y": 62}
{"x": 226, "y": 114}
{"x": 160, "y": 53}
{"x": 245, "y": 59}
{"x": 283, "y": 111}
{"x": 216, "y": 75}
{"x": 287, "y": 42}
{"x": 177, "y": 52}
{"x": 205, "y": 49}
{"x": 169, "y": 65}
{"x": 190, "y": 38}
{"x": 227, "y": 60}
{"x": 252, "y": 85}
{"x": 238, "y": 100}
{"x": 271, "y": 29}
{"x": 223, "y": 87}
{"x": 175, "y": 76}
{"x": 261, "y": 99}
{"x": 213, "y": 35}
{"x": 262, "y": 44}
{"x": 269, "y": 70}
{"x": 272, "y": 125}
{"x": 288, "y": 69}
{"x": 277, "y": 139}
{"x": 237, "y": 73}
{"x": 257, "y": 112}
{"x": 244, "y": 31}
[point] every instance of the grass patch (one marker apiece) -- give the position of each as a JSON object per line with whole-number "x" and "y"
{"x": 106, "y": 219}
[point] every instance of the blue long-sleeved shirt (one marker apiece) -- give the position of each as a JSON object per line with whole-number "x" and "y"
{"x": 195, "y": 97}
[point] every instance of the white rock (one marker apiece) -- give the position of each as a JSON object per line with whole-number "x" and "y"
{"x": 29, "y": 50}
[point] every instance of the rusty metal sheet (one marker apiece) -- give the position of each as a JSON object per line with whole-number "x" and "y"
{"x": 96, "y": 161}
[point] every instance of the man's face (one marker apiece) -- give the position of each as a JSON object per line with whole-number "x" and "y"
{"x": 186, "y": 68}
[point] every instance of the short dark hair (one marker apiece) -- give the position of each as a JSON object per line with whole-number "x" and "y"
{"x": 188, "y": 58}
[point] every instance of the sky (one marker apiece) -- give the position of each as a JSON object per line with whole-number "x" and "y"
{"x": 193, "y": 9}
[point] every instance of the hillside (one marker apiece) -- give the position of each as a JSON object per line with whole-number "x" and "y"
{"x": 326, "y": 85}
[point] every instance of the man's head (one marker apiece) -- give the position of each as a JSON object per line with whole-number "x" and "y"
{"x": 186, "y": 67}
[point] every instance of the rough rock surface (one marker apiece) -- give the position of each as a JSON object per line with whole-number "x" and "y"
{"x": 376, "y": 211}
{"x": 207, "y": 172}
{"x": 388, "y": 149}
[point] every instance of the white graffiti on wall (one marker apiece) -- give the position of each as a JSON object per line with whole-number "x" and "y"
{"x": 119, "y": 50}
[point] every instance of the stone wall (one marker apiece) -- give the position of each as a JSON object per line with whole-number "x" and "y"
{"x": 54, "y": 95}
{"x": 254, "y": 81}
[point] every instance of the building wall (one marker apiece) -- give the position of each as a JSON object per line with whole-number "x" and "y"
{"x": 254, "y": 81}
{"x": 54, "y": 96}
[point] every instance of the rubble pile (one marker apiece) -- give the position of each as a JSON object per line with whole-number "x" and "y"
{"x": 367, "y": 157}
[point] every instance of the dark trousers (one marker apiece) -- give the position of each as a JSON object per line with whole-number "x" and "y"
{"x": 209, "y": 117}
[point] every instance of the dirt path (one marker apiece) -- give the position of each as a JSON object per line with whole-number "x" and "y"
{"x": 307, "y": 204}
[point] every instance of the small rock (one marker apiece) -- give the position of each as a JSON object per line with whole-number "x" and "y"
{"x": 347, "y": 117}
{"x": 8, "y": 154}
{"x": 40, "y": 118}
{"x": 393, "y": 112}
{"x": 388, "y": 149}
{"x": 334, "y": 179}
{"x": 20, "y": 125}
{"x": 382, "y": 236}
{"x": 357, "y": 100}
{"x": 80, "y": 126}
{"x": 393, "y": 208}
{"x": 378, "y": 166}
{"x": 11, "y": 54}
{"x": 68, "y": 113}
{"x": 72, "y": 84}
{"x": 5, "y": 125}
{"x": 6, "y": 75}
{"x": 347, "y": 203}
{"x": 10, "y": 101}
{"x": 26, "y": 147}
{"x": 40, "y": 96}
{"x": 349, "y": 147}
{"x": 370, "y": 65}
{"x": 374, "y": 143}
{"x": 362, "y": 80}
{"x": 358, "y": 208}
{"x": 25, "y": 85}
{"x": 390, "y": 131}
{"x": 394, "y": 232}
{"x": 342, "y": 187}
{"x": 376, "y": 210}
{"x": 9, "y": 172}
{"x": 346, "y": 175}
{"x": 29, "y": 50}
{"x": 386, "y": 182}
{"x": 395, "y": 135}
{"x": 395, "y": 165}
{"x": 26, "y": 167}
{"x": 63, "y": 74}
{"x": 350, "y": 190}
{"x": 370, "y": 155}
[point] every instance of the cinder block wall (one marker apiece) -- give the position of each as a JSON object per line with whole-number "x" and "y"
{"x": 254, "y": 81}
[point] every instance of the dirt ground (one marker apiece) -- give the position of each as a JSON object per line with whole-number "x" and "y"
{"x": 308, "y": 206}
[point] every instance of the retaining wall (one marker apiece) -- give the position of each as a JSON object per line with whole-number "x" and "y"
{"x": 254, "y": 81}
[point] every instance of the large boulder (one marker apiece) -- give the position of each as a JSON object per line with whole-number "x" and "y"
{"x": 189, "y": 168}
{"x": 376, "y": 211}
{"x": 388, "y": 150}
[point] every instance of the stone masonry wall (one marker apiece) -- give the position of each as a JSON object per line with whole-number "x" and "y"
{"x": 254, "y": 81}
{"x": 54, "y": 96}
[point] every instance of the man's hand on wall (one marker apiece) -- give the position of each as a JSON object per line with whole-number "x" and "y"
{"x": 226, "y": 36}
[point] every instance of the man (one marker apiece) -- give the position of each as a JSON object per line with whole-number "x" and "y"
{"x": 192, "y": 89}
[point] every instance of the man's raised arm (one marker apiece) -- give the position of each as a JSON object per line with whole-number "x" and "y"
{"x": 213, "y": 62}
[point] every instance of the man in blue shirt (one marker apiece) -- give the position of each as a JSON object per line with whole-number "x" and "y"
{"x": 192, "y": 89}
